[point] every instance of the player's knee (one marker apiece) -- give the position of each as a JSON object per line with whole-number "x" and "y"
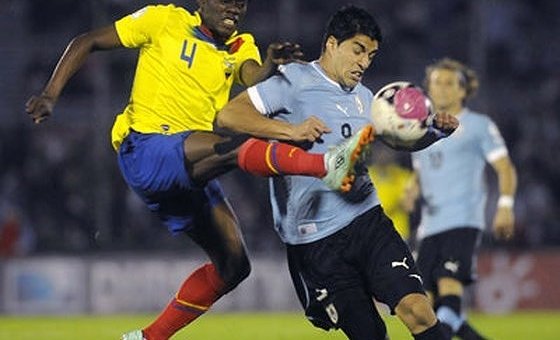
{"x": 350, "y": 310}
{"x": 235, "y": 271}
{"x": 243, "y": 269}
{"x": 416, "y": 312}
{"x": 450, "y": 286}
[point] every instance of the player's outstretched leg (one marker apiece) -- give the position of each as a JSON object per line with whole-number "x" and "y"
{"x": 341, "y": 159}
{"x": 209, "y": 155}
{"x": 336, "y": 167}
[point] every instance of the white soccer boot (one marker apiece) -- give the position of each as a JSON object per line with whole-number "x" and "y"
{"x": 340, "y": 160}
{"x": 134, "y": 335}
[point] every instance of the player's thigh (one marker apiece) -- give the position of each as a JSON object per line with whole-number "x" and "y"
{"x": 200, "y": 145}
{"x": 209, "y": 155}
{"x": 392, "y": 273}
{"x": 457, "y": 254}
{"x": 321, "y": 276}
{"x": 427, "y": 261}
{"x": 153, "y": 166}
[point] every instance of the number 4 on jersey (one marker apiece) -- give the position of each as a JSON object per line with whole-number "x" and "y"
{"x": 188, "y": 57}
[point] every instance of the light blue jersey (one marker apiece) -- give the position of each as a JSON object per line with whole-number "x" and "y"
{"x": 451, "y": 174}
{"x": 304, "y": 208}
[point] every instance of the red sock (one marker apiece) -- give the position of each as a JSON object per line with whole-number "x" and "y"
{"x": 199, "y": 291}
{"x": 270, "y": 159}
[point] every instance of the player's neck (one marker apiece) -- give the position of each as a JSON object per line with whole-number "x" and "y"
{"x": 454, "y": 110}
{"x": 327, "y": 69}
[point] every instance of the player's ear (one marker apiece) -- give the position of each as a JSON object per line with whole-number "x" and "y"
{"x": 463, "y": 91}
{"x": 331, "y": 42}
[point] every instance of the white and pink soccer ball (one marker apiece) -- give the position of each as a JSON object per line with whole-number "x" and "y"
{"x": 401, "y": 113}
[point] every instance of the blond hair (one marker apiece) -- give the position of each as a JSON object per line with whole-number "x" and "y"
{"x": 467, "y": 77}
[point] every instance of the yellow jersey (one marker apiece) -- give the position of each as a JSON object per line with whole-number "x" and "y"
{"x": 391, "y": 183}
{"x": 183, "y": 78}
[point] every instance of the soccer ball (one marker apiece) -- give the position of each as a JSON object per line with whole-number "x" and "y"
{"x": 401, "y": 113}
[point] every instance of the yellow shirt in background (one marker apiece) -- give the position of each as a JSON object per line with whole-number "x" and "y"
{"x": 182, "y": 78}
{"x": 391, "y": 182}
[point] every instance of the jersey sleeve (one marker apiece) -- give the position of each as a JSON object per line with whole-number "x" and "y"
{"x": 140, "y": 27}
{"x": 246, "y": 50}
{"x": 274, "y": 94}
{"x": 492, "y": 142}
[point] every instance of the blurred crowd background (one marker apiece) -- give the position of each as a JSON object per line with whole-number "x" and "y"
{"x": 60, "y": 188}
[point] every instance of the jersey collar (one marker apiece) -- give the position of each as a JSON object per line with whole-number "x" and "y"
{"x": 201, "y": 32}
{"x": 318, "y": 68}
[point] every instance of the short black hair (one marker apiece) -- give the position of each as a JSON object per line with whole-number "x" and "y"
{"x": 349, "y": 21}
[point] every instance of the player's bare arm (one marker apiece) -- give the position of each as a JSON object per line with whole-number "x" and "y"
{"x": 40, "y": 107}
{"x": 276, "y": 54}
{"x": 504, "y": 219}
{"x": 240, "y": 115}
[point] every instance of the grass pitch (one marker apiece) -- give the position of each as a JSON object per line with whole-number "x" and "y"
{"x": 266, "y": 326}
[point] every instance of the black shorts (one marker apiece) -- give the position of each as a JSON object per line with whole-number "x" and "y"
{"x": 368, "y": 257}
{"x": 449, "y": 254}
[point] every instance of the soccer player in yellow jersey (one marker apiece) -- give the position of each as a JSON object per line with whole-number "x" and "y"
{"x": 396, "y": 188}
{"x": 166, "y": 149}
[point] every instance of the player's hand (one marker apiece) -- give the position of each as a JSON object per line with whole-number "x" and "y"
{"x": 283, "y": 53}
{"x": 504, "y": 223}
{"x": 39, "y": 108}
{"x": 445, "y": 122}
{"x": 310, "y": 130}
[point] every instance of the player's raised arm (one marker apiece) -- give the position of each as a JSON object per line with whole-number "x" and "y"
{"x": 276, "y": 54}
{"x": 240, "y": 115}
{"x": 40, "y": 107}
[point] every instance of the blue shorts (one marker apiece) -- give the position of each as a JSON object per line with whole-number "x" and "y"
{"x": 153, "y": 165}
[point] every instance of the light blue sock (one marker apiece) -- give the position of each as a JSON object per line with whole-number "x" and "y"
{"x": 448, "y": 316}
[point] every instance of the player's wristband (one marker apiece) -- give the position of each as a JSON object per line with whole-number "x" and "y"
{"x": 505, "y": 201}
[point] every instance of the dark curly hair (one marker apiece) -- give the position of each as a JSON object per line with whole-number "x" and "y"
{"x": 349, "y": 21}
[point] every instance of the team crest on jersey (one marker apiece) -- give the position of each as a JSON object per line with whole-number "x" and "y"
{"x": 359, "y": 104}
{"x": 229, "y": 66}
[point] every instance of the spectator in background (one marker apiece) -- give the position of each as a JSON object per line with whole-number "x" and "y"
{"x": 10, "y": 233}
{"x": 15, "y": 237}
